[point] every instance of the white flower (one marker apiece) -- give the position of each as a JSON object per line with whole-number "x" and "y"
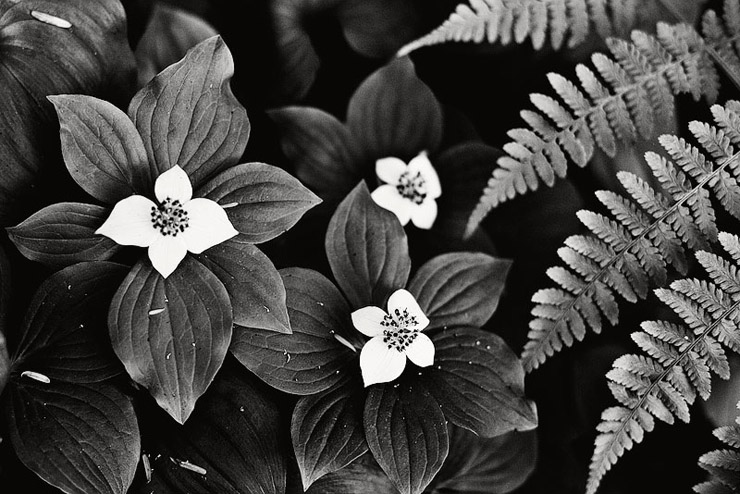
{"x": 172, "y": 228}
{"x": 395, "y": 335}
{"x": 409, "y": 190}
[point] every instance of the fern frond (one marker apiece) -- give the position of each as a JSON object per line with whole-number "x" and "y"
{"x": 679, "y": 364}
{"x": 723, "y": 465}
{"x": 644, "y": 240}
{"x": 627, "y": 94}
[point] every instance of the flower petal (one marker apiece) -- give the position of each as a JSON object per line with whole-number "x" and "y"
{"x": 424, "y": 214}
{"x": 209, "y": 225}
{"x": 166, "y": 253}
{"x": 387, "y": 197}
{"x": 390, "y": 169}
{"x": 403, "y": 300}
{"x": 422, "y": 165}
{"x": 175, "y": 184}
{"x": 130, "y": 222}
{"x": 380, "y": 364}
{"x": 421, "y": 351}
{"x": 368, "y": 320}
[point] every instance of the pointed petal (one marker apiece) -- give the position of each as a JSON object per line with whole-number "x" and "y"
{"x": 422, "y": 165}
{"x": 421, "y": 351}
{"x": 380, "y": 364}
{"x": 403, "y": 300}
{"x": 387, "y": 197}
{"x": 175, "y": 184}
{"x": 130, "y": 222}
{"x": 166, "y": 253}
{"x": 209, "y": 225}
{"x": 368, "y": 320}
{"x": 390, "y": 169}
{"x": 424, "y": 214}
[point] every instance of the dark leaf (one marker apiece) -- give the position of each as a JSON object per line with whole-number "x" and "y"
{"x": 479, "y": 383}
{"x": 254, "y": 285}
{"x": 63, "y": 234}
{"x": 327, "y": 430}
{"x": 172, "y": 334}
{"x": 407, "y": 434}
{"x": 171, "y": 32}
{"x": 188, "y": 116}
{"x": 310, "y": 360}
{"x": 362, "y": 476}
{"x": 393, "y": 113}
{"x": 459, "y": 288}
{"x": 378, "y": 28}
{"x": 5, "y": 286}
{"x": 321, "y": 148}
{"x": 4, "y": 362}
{"x": 262, "y": 201}
{"x": 102, "y": 149}
{"x": 231, "y": 444}
{"x": 367, "y": 250}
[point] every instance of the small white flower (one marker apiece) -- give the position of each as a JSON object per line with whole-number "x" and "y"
{"x": 410, "y": 191}
{"x": 395, "y": 335}
{"x": 177, "y": 225}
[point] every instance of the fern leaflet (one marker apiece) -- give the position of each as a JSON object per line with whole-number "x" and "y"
{"x": 645, "y": 238}
{"x": 723, "y": 465}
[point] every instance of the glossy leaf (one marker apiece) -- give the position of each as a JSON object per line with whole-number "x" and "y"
{"x": 64, "y": 234}
{"x": 367, "y": 250}
{"x": 102, "y": 149}
{"x": 188, "y": 116}
{"x": 362, "y": 476}
{"x": 479, "y": 383}
{"x": 327, "y": 430}
{"x": 310, "y": 360}
{"x": 459, "y": 288}
{"x": 262, "y": 201}
{"x": 172, "y": 334}
{"x": 407, "y": 434}
{"x": 378, "y": 28}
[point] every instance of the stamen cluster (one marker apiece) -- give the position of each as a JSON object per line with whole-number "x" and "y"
{"x": 400, "y": 329}
{"x": 169, "y": 217}
{"x": 412, "y": 187}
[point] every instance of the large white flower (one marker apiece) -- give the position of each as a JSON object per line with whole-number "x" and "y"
{"x": 177, "y": 225}
{"x": 410, "y": 190}
{"x": 395, "y": 335}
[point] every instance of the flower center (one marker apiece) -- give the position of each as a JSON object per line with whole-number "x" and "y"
{"x": 412, "y": 187}
{"x": 400, "y": 329}
{"x": 170, "y": 218}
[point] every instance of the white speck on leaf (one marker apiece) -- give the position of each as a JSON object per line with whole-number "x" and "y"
{"x": 154, "y": 312}
{"x": 36, "y": 376}
{"x": 229, "y": 205}
{"x": 147, "y": 467}
{"x": 51, "y": 19}
{"x": 189, "y": 466}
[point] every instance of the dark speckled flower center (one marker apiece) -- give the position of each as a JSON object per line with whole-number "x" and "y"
{"x": 412, "y": 186}
{"x": 170, "y": 218}
{"x": 399, "y": 329}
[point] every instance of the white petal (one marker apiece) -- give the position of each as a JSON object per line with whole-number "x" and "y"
{"x": 368, "y": 320}
{"x": 166, "y": 254}
{"x": 390, "y": 169}
{"x": 380, "y": 364}
{"x": 387, "y": 197}
{"x": 209, "y": 225}
{"x": 421, "y": 351}
{"x": 424, "y": 214}
{"x": 403, "y": 300}
{"x": 422, "y": 165}
{"x": 175, "y": 184}
{"x": 130, "y": 222}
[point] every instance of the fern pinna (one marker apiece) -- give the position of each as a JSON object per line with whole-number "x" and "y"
{"x": 723, "y": 465}
{"x": 646, "y": 237}
{"x": 627, "y": 95}
{"x": 681, "y": 357}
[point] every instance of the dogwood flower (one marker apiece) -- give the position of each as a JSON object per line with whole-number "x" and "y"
{"x": 171, "y": 228}
{"x": 409, "y": 190}
{"x": 394, "y": 336}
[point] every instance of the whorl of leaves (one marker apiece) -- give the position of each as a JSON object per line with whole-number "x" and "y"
{"x": 680, "y": 358}
{"x": 628, "y": 94}
{"x": 647, "y": 235}
{"x": 723, "y": 465}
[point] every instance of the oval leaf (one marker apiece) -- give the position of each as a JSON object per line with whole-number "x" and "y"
{"x": 367, "y": 249}
{"x": 479, "y": 383}
{"x": 459, "y": 288}
{"x": 64, "y": 234}
{"x": 102, "y": 149}
{"x": 362, "y": 476}
{"x": 171, "y": 334}
{"x": 188, "y": 116}
{"x": 310, "y": 360}
{"x": 262, "y": 201}
{"x": 407, "y": 433}
{"x": 378, "y": 28}
{"x": 327, "y": 430}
